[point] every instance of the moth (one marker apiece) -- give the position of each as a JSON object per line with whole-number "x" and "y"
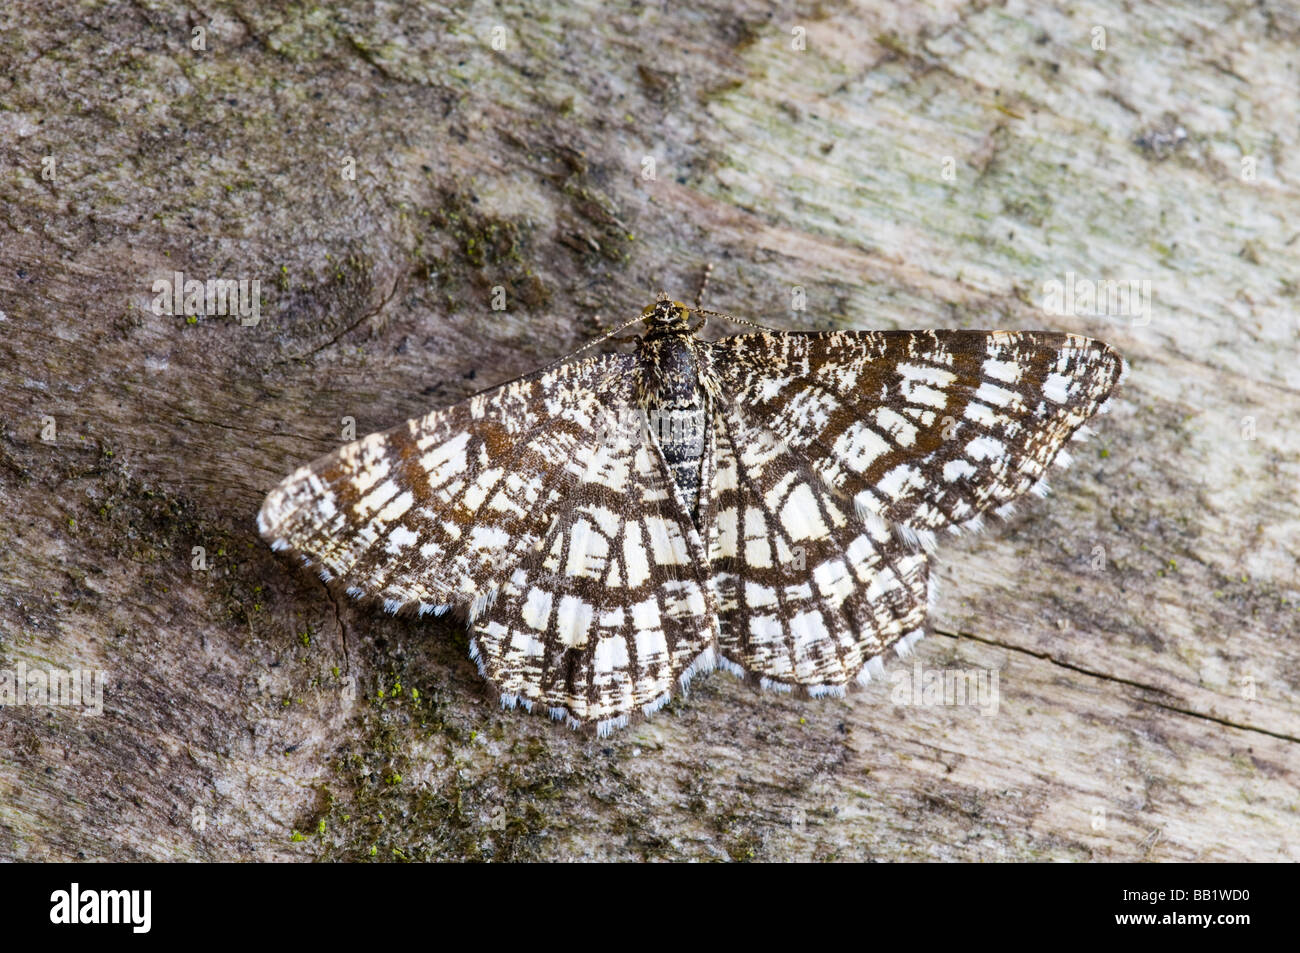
{"x": 766, "y": 503}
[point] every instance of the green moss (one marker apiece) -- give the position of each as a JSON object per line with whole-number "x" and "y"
{"x": 420, "y": 784}
{"x": 469, "y": 253}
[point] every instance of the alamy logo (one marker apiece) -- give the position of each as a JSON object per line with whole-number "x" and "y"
{"x": 80, "y": 688}
{"x": 946, "y": 686}
{"x": 103, "y": 906}
{"x": 1103, "y": 298}
{"x": 178, "y": 295}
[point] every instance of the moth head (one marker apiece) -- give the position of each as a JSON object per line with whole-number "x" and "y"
{"x": 665, "y": 314}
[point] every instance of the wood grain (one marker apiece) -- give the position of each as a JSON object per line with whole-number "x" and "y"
{"x": 1142, "y": 621}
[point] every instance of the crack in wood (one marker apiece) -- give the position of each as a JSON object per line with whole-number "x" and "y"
{"x": 343, "y": 629}
{"x": 1047, "y": 657}
{"x": 351, "y": 327}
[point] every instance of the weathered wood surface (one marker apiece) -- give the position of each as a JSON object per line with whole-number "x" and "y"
{"x": 1142, "y": 622}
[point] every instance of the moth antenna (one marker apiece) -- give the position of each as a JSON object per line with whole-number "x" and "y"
{"x": 704, "y": 284}
{"x": 590, "y": 344}
{"x": 736, "y": 320}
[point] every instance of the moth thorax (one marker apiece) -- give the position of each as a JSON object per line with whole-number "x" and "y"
{"x": 665, "y": 316}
